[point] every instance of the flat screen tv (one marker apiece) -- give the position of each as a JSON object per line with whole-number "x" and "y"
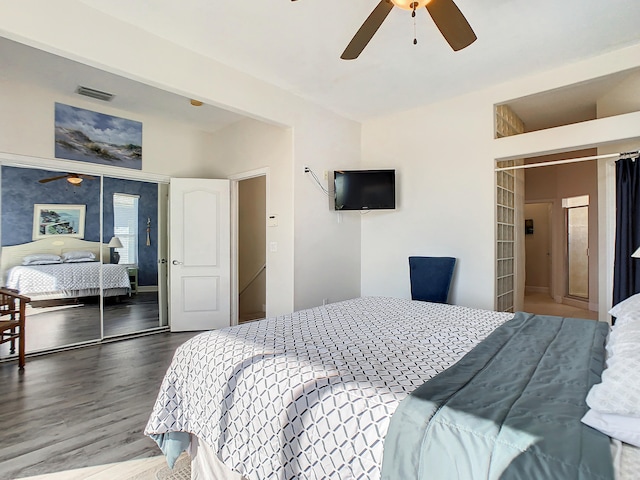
{"x": 365, "y": 189}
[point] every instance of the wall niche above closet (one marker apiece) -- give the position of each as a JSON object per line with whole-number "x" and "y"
{"x": 598, "y": 98}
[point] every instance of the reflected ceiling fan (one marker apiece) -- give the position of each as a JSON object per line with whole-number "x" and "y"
{"x": 74, "y": 179}
{"x": 445, "y": 14}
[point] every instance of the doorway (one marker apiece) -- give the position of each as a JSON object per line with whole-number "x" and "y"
{"x": 538, "y": 234}
{"x": 252, "y": 254}
{"x": 561, "y": 276}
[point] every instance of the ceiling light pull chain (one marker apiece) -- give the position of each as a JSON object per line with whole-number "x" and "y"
{"x": 414, "y": 5}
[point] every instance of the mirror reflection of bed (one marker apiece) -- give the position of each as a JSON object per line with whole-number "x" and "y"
{"x": 127, "y": 300}
{"x": 63, "y": 278}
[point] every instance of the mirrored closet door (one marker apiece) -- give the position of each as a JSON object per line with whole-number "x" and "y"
{"x": 130, "y": 225}
{"x": 85, "y": 249}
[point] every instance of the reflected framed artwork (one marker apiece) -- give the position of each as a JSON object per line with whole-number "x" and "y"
{"x": 58, "y": 220}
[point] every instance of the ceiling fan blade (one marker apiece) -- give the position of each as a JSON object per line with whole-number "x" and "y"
{"x": 367, "y": 30}
{"x": 451, "y": 22}
{"x": 88, "y": 177}
{"x": 51, "y": 179}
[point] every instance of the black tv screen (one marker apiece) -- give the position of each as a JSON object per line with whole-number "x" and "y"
{"x": 364, "y": 189}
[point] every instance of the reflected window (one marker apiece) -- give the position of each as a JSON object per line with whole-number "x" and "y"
{"x": 125, "y": 226}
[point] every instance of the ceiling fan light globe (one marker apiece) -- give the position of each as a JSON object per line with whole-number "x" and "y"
{"x": 410, "y": 4}
{"x": 74, "y": 180}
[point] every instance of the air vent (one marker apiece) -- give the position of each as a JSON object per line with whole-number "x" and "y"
{"x": 90, "y": 92}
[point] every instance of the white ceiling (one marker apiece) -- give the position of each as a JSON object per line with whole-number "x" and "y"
{"x": 297, "y": 46}
{"x": 25, "y": 65}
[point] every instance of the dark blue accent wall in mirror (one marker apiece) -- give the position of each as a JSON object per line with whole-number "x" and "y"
{"x": 147, "y": 208}
{"x": 20, "y": 190}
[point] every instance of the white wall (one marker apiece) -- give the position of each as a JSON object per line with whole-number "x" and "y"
{"x": 326, "y": 253}
{"x": 445, "y": 198}
{"x": 26, "y": 128}
{"x": 538, "y": 248}
{"x": 623, "y": 98}
{"x": 445, "y": 157}
{"x": 251, "y": 145}
{"x": 317, "y": 256}
{"x": 318, "y": 250}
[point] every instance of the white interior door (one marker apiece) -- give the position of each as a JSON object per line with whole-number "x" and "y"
{"x": 199, "y": 254}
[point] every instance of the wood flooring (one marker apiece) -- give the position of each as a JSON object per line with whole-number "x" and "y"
{"x": 82, "y": 407}
{"x": 56, "y": 323}
{"x": 143, "y": 469}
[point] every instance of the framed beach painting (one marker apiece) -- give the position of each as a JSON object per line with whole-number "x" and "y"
{"x": 95, "y": 137}
{"x": 58, "y": 220}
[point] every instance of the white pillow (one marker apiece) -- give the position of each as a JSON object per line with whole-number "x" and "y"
{"x": 41, "y": 259}
{"x": 42, "y": 262}
{"x": 628, "y": 307}
{"x": 77, "y": 255}
{"x": 624, "y": 341}
{"x": 79, "y": 260}
{"x": 619, "y": 391}
{"x": 621, "y": 427}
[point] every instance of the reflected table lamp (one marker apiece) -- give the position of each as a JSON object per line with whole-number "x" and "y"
{"x": 113, "y": 244}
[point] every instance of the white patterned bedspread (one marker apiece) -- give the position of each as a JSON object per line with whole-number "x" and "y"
{"x": 66, "y": 277}
{"x": 310, "y": 395}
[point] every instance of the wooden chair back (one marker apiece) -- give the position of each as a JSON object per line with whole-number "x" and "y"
{"x": 12, "y": 321}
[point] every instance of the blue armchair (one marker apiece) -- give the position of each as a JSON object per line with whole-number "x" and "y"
{"x": 431, "y": 278}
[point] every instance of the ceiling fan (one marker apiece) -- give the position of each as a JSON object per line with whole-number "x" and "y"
{"x": 74, "y": 179}
{"x": 445, "y": 14}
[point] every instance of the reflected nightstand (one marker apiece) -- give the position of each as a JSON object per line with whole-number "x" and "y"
{"x": 133, "y": 279}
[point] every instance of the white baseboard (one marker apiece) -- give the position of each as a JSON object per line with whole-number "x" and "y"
{"x": 574, "y": 302}
{"x": 532, "y": 289}
{"x": 148, "y": 288}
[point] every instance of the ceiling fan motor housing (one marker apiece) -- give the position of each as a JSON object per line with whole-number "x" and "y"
{"x": 410, "y": 4}
{"x": 445, "y": 14}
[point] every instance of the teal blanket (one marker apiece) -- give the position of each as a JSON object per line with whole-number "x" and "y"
{"x": 509, "y": 409}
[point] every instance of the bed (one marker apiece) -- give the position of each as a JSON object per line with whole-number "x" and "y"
{"x": 385, "y": 388}
{"x": 62, "y": 268}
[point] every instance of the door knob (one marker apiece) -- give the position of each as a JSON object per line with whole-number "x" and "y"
{"x": 176, "y": 262}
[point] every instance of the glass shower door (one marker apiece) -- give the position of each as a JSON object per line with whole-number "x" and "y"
{"x": 577, "y": 221}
